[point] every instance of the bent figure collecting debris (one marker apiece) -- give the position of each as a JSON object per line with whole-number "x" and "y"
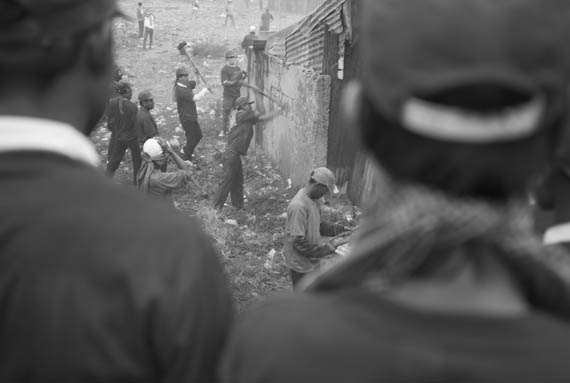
{"x": 304, "y": 247}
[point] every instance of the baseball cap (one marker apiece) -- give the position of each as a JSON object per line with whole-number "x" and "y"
{"x": 152, "y": 148}
{"x": 36, "y": 21}
{"x": 145, "y": 95}
{"x": 181, "y": 71}
{"x": 325, "y": 177}
{"x": 413, "y": 48}
{"x": 242, "y": 101}
{"x": 123, "y": 86}
{"x": 230, "y": 54}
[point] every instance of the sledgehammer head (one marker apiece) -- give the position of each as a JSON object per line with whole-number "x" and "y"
{"x": 182, "y": 47}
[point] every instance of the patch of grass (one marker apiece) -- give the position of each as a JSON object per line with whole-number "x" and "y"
{"x": 205, "y": 49}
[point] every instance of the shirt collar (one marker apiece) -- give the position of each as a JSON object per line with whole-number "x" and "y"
{"x": 557, "y": 234}
{"x": 180, "y": 84}
{"x": 35, "y": 134}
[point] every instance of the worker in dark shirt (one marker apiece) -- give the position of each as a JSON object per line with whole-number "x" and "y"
{"x": 247, "y": 42}
{"x": 121, "y": 115}
{"x": 231, "y": 76}
{"x": 186, "y": 104}
{"x": 239, "y": 139}
{"x": 146, "y": 125}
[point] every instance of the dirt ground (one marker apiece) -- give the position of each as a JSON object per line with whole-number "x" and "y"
{"x": 250, "y": 241}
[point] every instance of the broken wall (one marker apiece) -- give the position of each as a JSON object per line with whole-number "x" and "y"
{"x": 296, "y": 141}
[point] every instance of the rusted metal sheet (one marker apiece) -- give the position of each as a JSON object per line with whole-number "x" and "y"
{"x": 276, "y": 43}
{"x": 303, "y": 43}
{"x": 328, "y": 13}
{"x": 306, "y": 49}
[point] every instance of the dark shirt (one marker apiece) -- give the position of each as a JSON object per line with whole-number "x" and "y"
{"x": 146, "y": 125}
{"x": 266, "y": 19}
{"x": 248, "y": 40}
{"x": 241, "y": 134}
{"x": 121, "y": 118}
{"x": 231, "y": 73}
{"x": 185, "y": 103}
{"x": 102, "y": 284}
{"x": 359, "y": 336}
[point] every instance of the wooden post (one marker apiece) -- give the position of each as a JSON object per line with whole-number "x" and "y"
{"x": 279, "y": 16}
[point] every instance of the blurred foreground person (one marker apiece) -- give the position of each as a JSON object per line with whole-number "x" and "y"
{"x": 552, "y": 196}
{"x": 446, "y": 281}
{"x": 304, "y": 246}
{"x": 98, "y": 283}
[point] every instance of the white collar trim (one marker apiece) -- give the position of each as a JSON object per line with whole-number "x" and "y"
{"x": 35, "y": 134}
{"x": 557, "y": 234}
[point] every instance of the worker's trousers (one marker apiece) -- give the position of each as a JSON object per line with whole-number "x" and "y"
{"x": 232, "y": 181}
{"x": 193, "y": 137}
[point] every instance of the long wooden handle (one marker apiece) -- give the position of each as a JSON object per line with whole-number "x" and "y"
{"x": 185, "y": 53}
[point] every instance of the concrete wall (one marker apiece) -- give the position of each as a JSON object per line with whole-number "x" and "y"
{"x": 296, "y": 141}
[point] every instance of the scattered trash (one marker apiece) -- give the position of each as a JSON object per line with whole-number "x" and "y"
{"x": 232, "y": 222}
{"x": 270, "y": 259}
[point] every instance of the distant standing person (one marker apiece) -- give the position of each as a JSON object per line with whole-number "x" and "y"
{"x": 248, "y": 39}
{"x": 195, "y": 9}
{"x": 266, "y": 19}
{"x": 140, "y": 19}
{"x": 230, "y": 13}
{"x": 186, "y": 104}
{"x": 146, "y": 125}
{"x": 148, "y": 29}
{"x": 238, "y": 143}
{"x": 231, "y": 77}
{"x": 122, "y": 115}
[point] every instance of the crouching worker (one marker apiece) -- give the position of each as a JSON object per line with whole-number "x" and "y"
{"x": 152, "y": 177}
{"x": 304, "y": 247}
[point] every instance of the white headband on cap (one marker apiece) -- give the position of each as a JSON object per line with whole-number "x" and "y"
{"x": 453, "y": 124}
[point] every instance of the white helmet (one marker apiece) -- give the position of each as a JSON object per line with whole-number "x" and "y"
{"x": 152, "y": 148}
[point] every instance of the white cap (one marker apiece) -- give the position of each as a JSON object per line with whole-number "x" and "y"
{"x": 253, "y": 28}
{"x": 152, "y": 148}
{"x": 325, "y": 177}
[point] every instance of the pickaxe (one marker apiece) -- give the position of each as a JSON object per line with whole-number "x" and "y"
{"x": 182, "y": 49}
